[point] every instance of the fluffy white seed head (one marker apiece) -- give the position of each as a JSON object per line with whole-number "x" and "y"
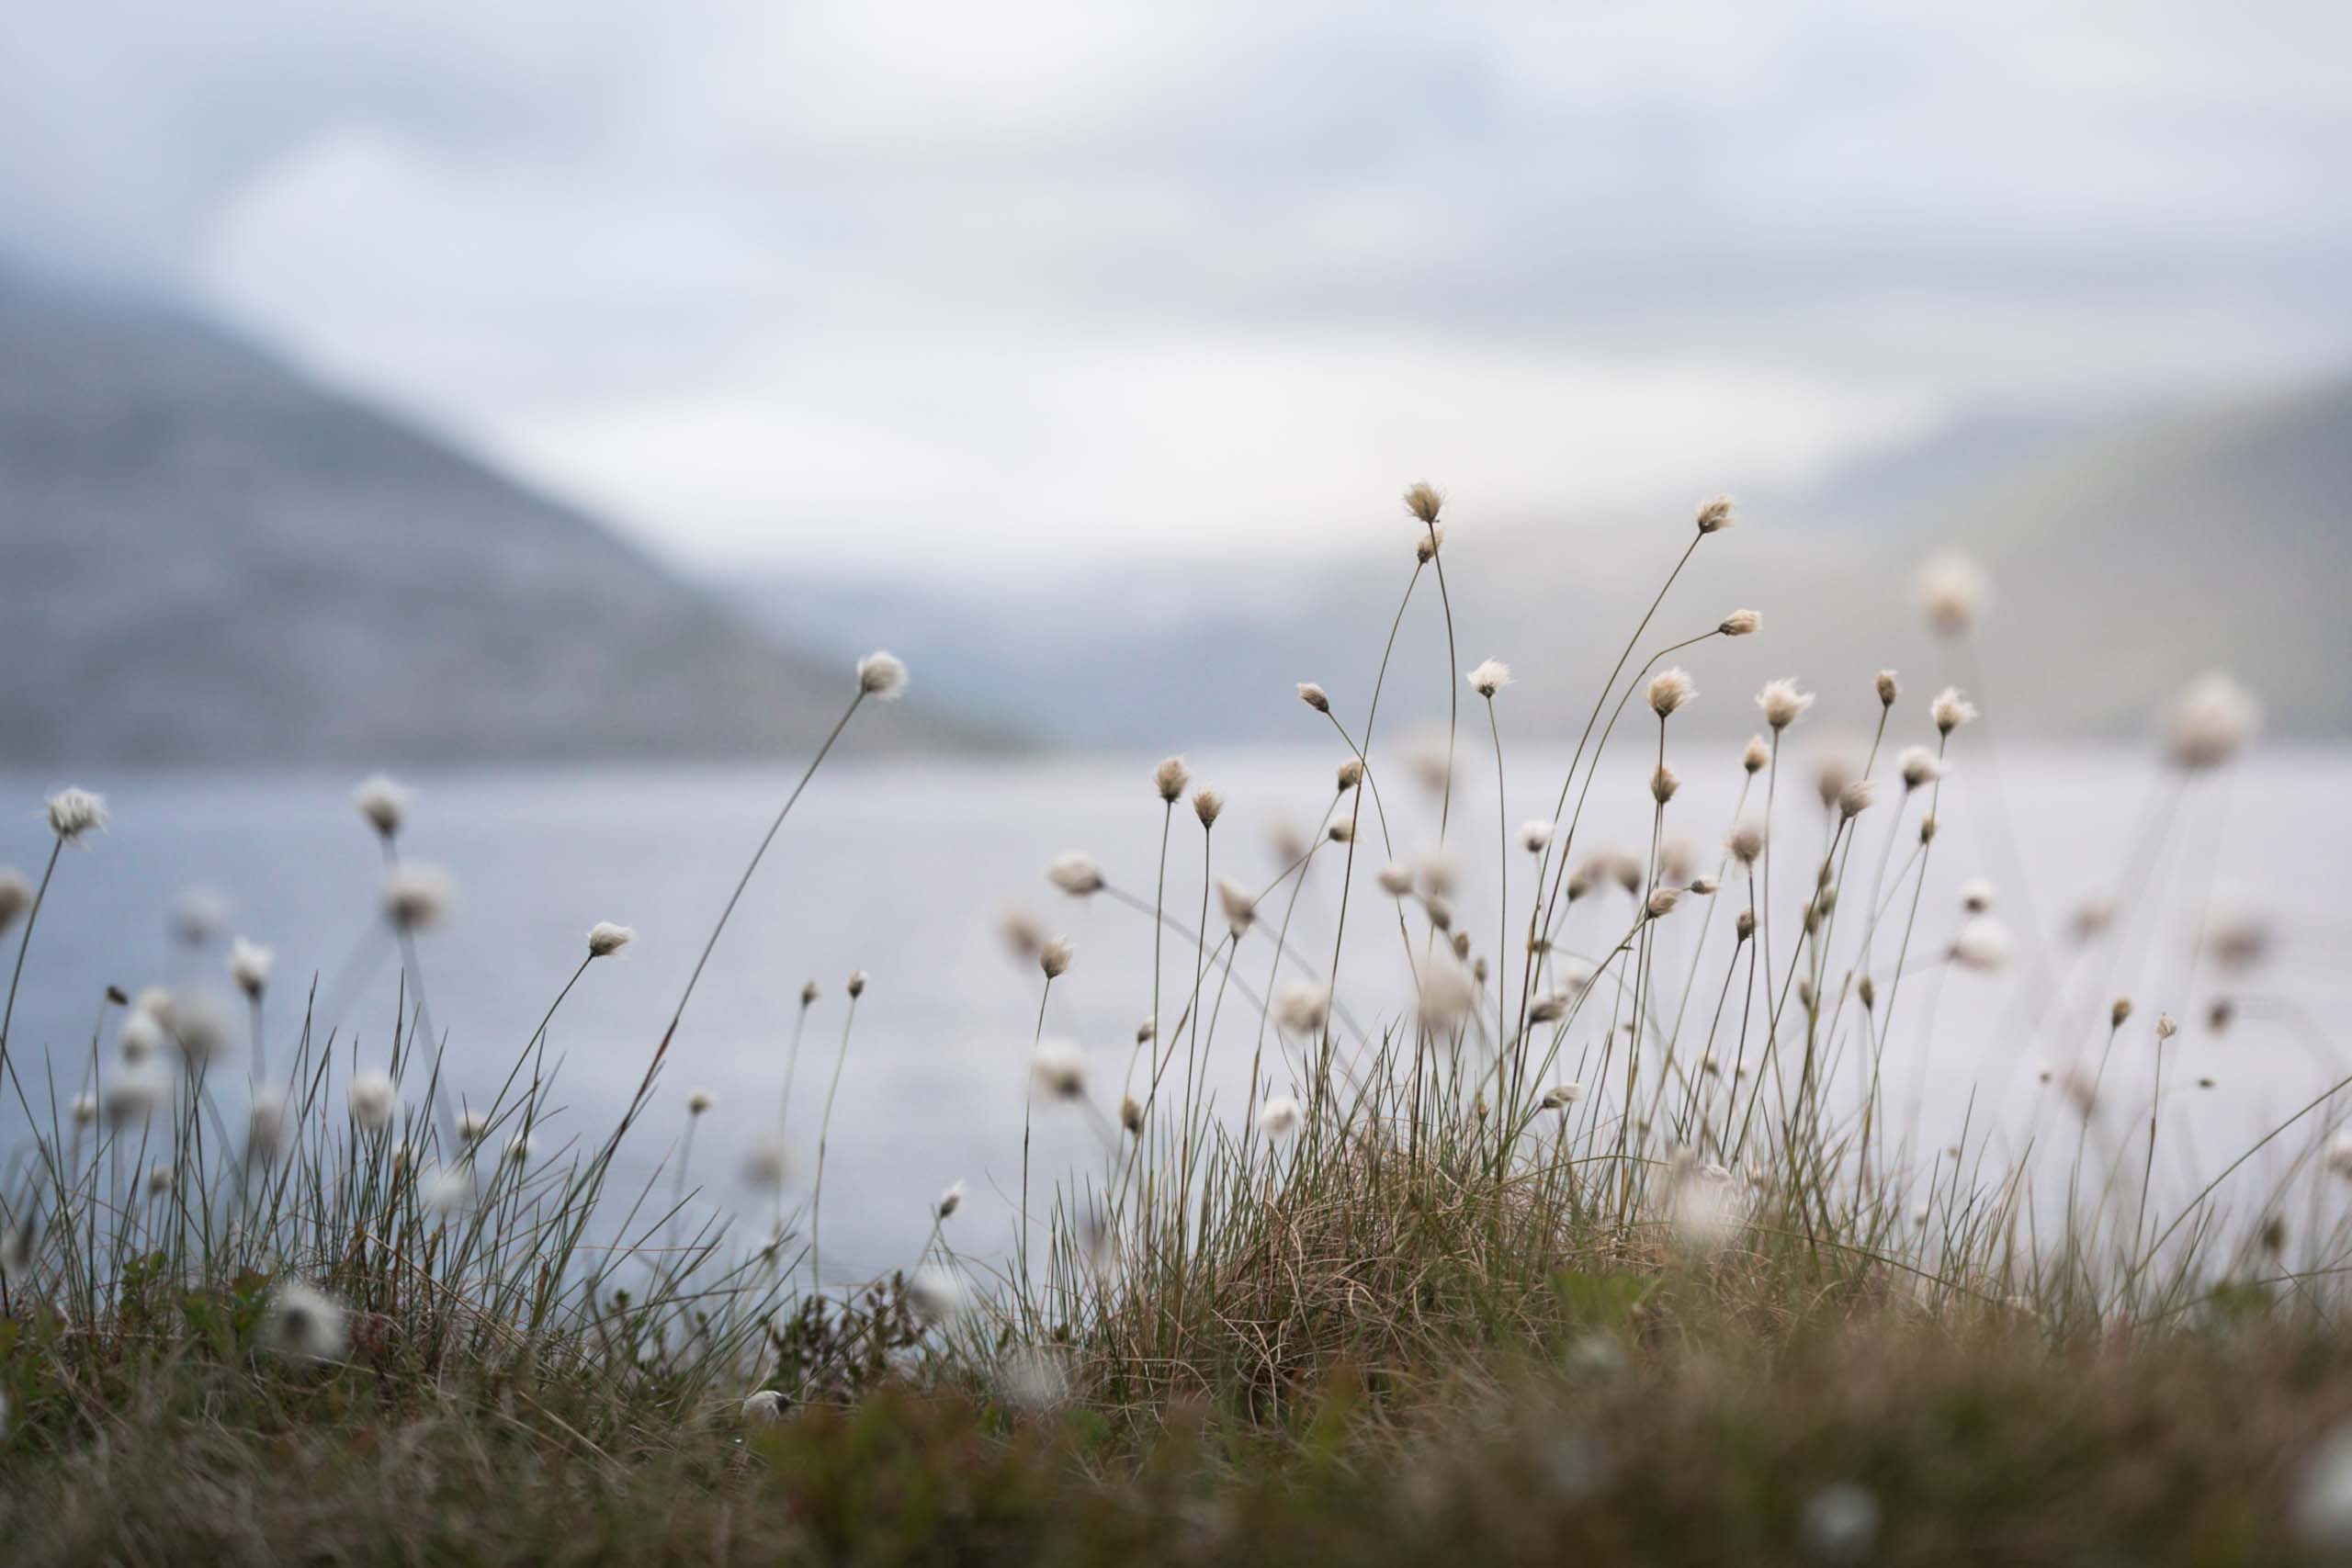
{"x": 74, "y": 812}
{"x": 1783, "y": 703}
{"x": 159, "y": 1179}
{"x": 1887, "y": 688}
{"x": 1343, "y": 830}
{"x": 1314, "y": 697}
{"x": 1053, "y": 956}
{"x": 2212, "y": 721}
{"x": 767, "y": 1164}
{"x": 1169, "y": 779}
{"x": 1560, "y": 1096}
{"x": 1746, "y": 841}
{"x": 417, "y": 896}
{"x": 934, "y": 1294}
{"x": 605, "y": 938}
{"x": 519, "y": 1149}
{"x": 855, "y": 983}
{"x": 1348, "y": 775}
{"x": 1239, "y": 907}
{"x": 450, "y": 1190}
{"x": 1439, "y": 910}
{"x": 1058, "y": 1070}
{"x": 200, "y": 1028}
{"x": 1278, "y": 1118}
{"x": 1976, "y": 895}
{"x": 882, "y": 676}
{"x": 1953, "y": 591}
{"x": 1535, "y": 836}
{"x": 1740, "y": 623}
{"x": 198, "y": 915}
{"x": 1489, "y": 677}
{"x": 1950, "y": 710}
{"x": 1076, "y": 875}
{"x": 699, "y": 1101}
{"x": 1662, "y": 902}
{"x": 1670, "y": 689}
{"x": 1448, "y": 993}
{"x": 1422, "y": 500}
{"x": 85, "y": 1109}
{"x": 1301, "y": 1008}
{"x": 1426, "y": 547}
{"x": 304, "y": 1323}
{"x": 1023, "y": 935}
{"x": 1919, "y": 766}
{"x": 950, "y": 1200}
{"x": 374, "y": 1100}
{"x": 808, "y": 995}
{"x": 1715, "y": 514}
{"x": 1855, "y": 797}
{"x": 16, "y": 895}
{"x": 1131, "y": 1113}
{"x": 2323, "y": 1503}
{"x": 1983, "y": 944}
{"x": 1840, "y": 1524}
{"x": 1756, "y": 756}
{"x": 764, "y": 1408}
{"x": 383, "y": 803}
{"x": 1208, "y": 806}
{"x": 472, "y": 1127}
{"x": 249, "y": 965}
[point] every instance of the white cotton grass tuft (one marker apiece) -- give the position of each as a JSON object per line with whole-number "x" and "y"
{"x": 85, "y": 1109}
{"x": 1703, "y": 1210}
{"x": 1035, "y": 1378}
{"x": 934, "y": 1295}
{"x": 2323, "y": 1505}
{"x": 1560, "y": 1096}
{"x": 699, "y": 1101}
{"x": 1448, "y": 993}
{"x": 2211, "y": 722}
{"x": 767, "y": 1163}
{"x": 764, "y": 1407}
{"x": 1783, "y": 703}
{"x": 1661, "y": 902}
{"x": 1950, "y": 710}
{"x": 16, "y": 895}
{"x": 1239, "y": 907}
{"x": 374, "y": 1100}
{"x": 1887, "y": 688}
{"x": 1349, "y": 774}
{"x": 198, "y": 915}
{"x": 1279, "y": 1117}
{"x": 1395, "y": 879}
{"x": 1301, "y": 1008}
{"x": 473, "y": 1126}
{"x": 2337, "y": 1157}
{"x": 1670, "y": 689}
{"x": 605, "y": 938}
{"x": 1715, "y": 514}
{"x": 133, "y": 1095}
{"x": 1740, "y": 623}
{"x": 383, "y": 803}
{"x": 1314, "y": 697}
{"x": 1489, "y": 677}
{"x": 1840, "y": 1524}
{"x": 200, "y": 1028}
{"x": 1208, "y": 806}
{"x": 451, "y": 1189}
{"x": 1952, "y": 592}
{"x": 305, "y": 1324}
{"x": 882, "y": 676}
{"x": 1983, "y": 944}
{"x": 1054, "y": 957}
{"x": 855, "y": 983}
{"x": 1423, "y": 499}
{"x": 950, "y": 1200}
{"x": 1426, "y": 547}
{"x": 1169, "y": 779}
{"x": 519, "y": 1149}
{"x": 417, "y": 896}
{"x": 1746, "y": 841}
{"x": 1919, "y": 767}
{"x": 1022, "y": 933}
{"x": 74, "y": 811}
{"x": 1058, "y": 1070}
{"x": 249, "y": 965}
{"x": 1535, "y": 836}
{"x": 1076, "y": 874}
{"x": 1976, "y": 895}
{"x": 1855, "y": 797}
{"x": 1755, "y": 756}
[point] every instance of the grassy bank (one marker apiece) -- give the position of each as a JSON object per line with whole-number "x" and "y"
{"x": 1614, "y": 1242}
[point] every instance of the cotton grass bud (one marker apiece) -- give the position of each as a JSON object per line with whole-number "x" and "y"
{"x": 1489, "y": 677}
{"x": 1715, "y": 516}
{"x": 2211, "y": 722}
{"x": 809, "y": 994}
{"x": 416, "y": 895}
{"x": 374, "y": 1100}
{"x": 1054, "y": 957}
{"x": 303, "y": 1323}
{"x": 1950, "y": 710}
{"x": 1426, "y": 547}
{"x": 1440, "y": 912}
{"x": 1535, "y": 836}
{"x": 519, "y": 1149}
{"x": 882, "y": 676}
{"x": 1278, "y": 1118}
{"x": 950, "y": 1200}
{"x": 855, "y": 983}
{"x": 16, "y": 895}
{"x": 383, "y": 803}
{"x": 2166, "y": 1027}
{"x": 1783, "y": 703}
{"x": 1662, "y": 902}
{"x": 1976, "y": 895}
{"x": 699, "y": 1101}
{"x": 1131, "y": 1113}
{"x": 1663, "y": 783}
{"x": 85, "y": 1110}
{"x": 472, "y": 1127}
{"x": 1169, "y": 779}
{"x": 1745, "y": 927}
{"x": 1983, "y": 944}
{"x": 1394, "y": 880}
{"x": 2338, "y": 1155}
{"x": 74, "y": 812}
{"x": 1208, "y": 806}
{"x": 2120, "y": 1013}
{"x": 1668, "y": 690}
{"x": 1740, "y": 623}
{"x": 1314, "y": 697}
{"x": 249, "y": 965}
{"x": 1702, "y": 886}
{"x": 1887, "y": 690}
{"x": 1951, "y": 592}
{"x": 605, "y": 938}
{"x": 1756, "y": 756}
{"x": 160, "y": 1180}
{"x": 1076, "y": 875}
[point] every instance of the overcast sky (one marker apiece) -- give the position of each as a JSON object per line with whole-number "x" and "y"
{"x": 959, "y": 287}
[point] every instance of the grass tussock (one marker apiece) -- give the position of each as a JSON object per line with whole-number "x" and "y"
{"x": 1629, "y": 1237}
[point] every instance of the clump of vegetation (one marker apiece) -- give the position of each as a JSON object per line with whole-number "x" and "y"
{"x": 1615, "y": 1240}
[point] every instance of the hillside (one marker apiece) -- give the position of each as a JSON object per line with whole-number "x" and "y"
{"x": 206, "y": 558}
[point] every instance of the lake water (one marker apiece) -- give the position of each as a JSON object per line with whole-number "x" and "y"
{"x": 905, "y": 870}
